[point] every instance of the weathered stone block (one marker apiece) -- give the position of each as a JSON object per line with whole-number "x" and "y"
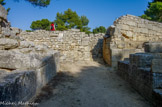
{"x": 16, "y": 60}
{"x": 123, "y": 69}
{"x": 17, "y": 86}
{"x": 156, "y": 65}
{"x": 155, "y": 47}
{"x": 6, "y": 43}
{"x": 21, "y": 85}
{"x": 141, "y": 60}
{"x": 26, "y": 44}
{"x": 157, "y": 80}
{"x": 15, "y": 31}
{"x": 48, "y": 71}
{"x": 119, "y": 54}
{"x": 6, "y": 31}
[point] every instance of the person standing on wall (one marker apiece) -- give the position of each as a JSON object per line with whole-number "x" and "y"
{"x": 52, "y": 26}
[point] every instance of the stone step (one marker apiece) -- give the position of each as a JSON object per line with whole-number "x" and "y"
{"x": 153, "y": 47}
{"x": 143, "y": 60}
{"x": 157, "y": 80}
{"x": 156, "y": 66}
{"x": 123, "y": 69}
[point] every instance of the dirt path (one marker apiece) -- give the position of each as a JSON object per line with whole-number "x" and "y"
{"x": 89, "y": 85}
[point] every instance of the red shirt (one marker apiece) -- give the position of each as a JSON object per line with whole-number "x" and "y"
{"x": 52, "y": 27}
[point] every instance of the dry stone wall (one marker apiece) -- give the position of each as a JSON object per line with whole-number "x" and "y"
{"x": 128, "y": 35}
{"x": 73, "y": 45}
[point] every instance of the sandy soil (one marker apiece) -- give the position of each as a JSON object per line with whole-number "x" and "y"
{"x": 89, "y": 84}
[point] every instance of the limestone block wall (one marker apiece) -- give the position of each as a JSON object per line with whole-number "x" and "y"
{"x": 128, "y": 35}
{"x": 73, "y": 45}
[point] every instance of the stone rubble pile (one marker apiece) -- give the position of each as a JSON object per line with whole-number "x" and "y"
{"x": 144, "y": 72}
{"x": 73, "y": 45}
{"x": 127, "y": 36}
{"x": 24, "y": 67}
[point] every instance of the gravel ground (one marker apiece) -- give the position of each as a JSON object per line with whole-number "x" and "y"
{"x": 89, "y": 84}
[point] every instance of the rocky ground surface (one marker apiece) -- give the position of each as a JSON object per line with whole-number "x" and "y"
{"x": 89, "y": 84}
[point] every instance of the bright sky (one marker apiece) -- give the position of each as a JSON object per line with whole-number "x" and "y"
{"x": 99, "y": 12}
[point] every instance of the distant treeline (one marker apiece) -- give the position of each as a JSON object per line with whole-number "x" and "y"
{"x": 67, "y": 20}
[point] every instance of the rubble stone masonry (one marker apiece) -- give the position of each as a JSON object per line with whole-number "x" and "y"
{"x": 73, "y": 45}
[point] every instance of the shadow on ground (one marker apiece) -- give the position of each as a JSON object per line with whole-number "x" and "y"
{"x": 97, "y": 51}
{"x": 88, "y": 84}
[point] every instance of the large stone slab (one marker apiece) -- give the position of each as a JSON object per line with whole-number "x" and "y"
{"x": 22, "y": 85}
{"x": 141, "y": 60}
{"x": 47, "y": 72}
{"x": 156, "y": 66}
{"x": 153, "y": 47}
{"x": 120, "y": 54}
{"x": 6, "y": 43}
{"x": 17, "y": 86}
{"x": 16, "y": 60}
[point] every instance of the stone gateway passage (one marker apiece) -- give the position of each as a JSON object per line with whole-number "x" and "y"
{"x": 89, "y": 84}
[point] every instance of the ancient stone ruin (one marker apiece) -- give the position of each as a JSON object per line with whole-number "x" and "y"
{"x": 24, "y": 67}
{"x": 29, "y": 60}
{"x": 124, "y": 45}
{"x": 144, "y": 72}
{"x": 127, "y": 36}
